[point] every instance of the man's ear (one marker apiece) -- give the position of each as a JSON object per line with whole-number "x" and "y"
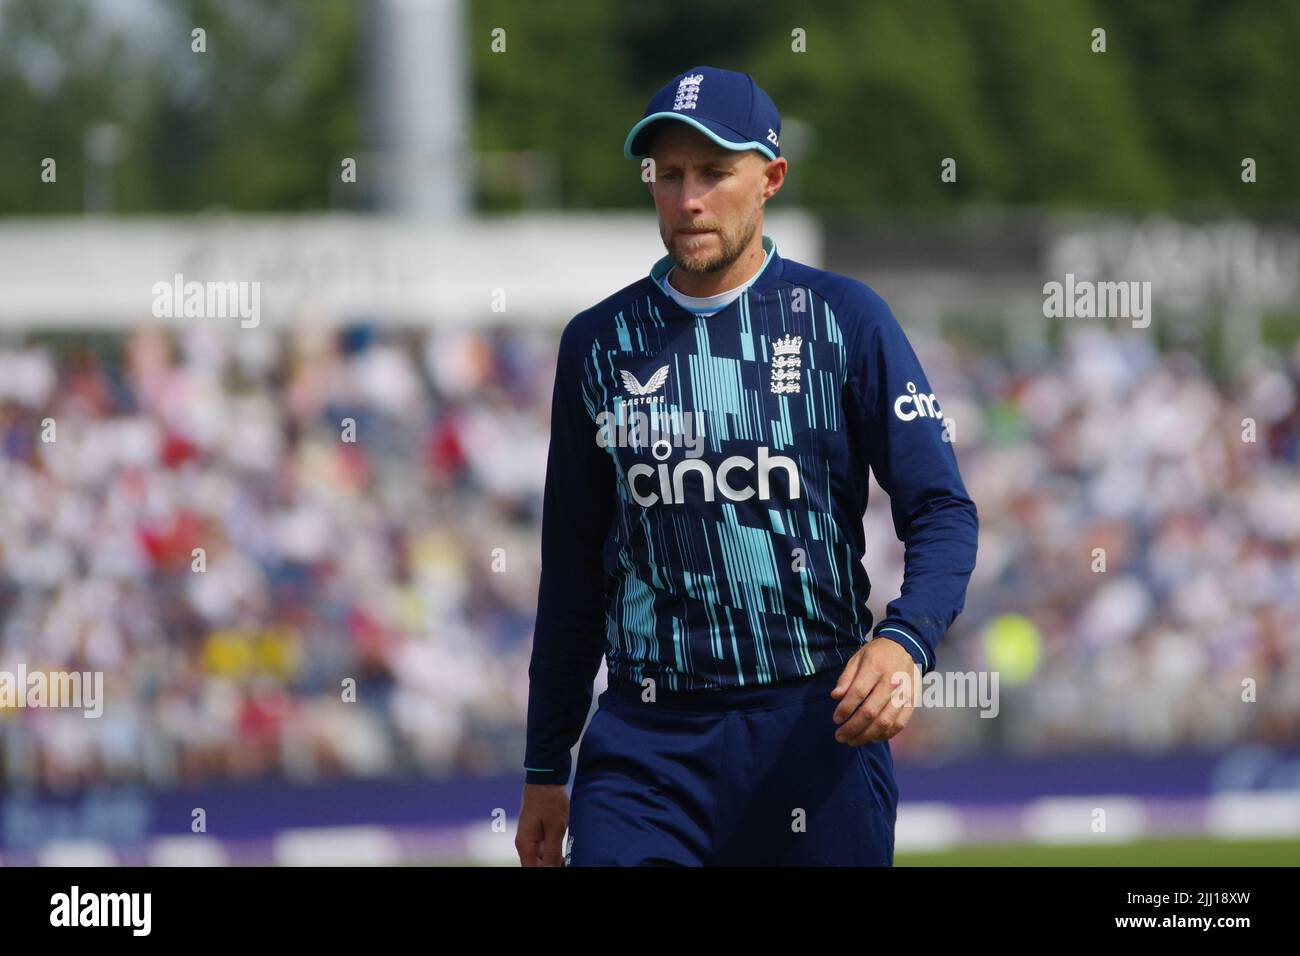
{"x": 781, "y": 167}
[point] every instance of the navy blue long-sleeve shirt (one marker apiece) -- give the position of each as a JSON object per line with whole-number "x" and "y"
{"x": 705, "y": 487}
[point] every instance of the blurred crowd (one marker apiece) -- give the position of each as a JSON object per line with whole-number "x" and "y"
{"x": 316, "y": 554}
{"x": 1145, "y": 519}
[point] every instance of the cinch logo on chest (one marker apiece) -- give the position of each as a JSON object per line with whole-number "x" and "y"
{"x": 672, "y": 487}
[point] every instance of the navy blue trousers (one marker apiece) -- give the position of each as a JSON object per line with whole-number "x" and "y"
{"x": 751, "y": 776}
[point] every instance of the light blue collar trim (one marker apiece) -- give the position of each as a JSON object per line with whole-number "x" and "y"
{"x": 665, "y": 265}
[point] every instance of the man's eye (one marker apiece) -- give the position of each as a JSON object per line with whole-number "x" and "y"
{"x": 715, "y": 173}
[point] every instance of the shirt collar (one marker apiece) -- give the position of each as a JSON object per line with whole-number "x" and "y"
{"x": 767, "y": 276}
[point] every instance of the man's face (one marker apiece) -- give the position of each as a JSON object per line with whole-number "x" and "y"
{"x": 709, "y": 199}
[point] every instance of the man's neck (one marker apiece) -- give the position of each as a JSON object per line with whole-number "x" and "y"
{"x": 739, "y": 272}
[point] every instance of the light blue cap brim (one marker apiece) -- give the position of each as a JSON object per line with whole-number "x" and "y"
{"x": 715, "y": 131}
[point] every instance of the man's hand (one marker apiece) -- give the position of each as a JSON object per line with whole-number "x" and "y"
{"x": 877, "y": 693}
{"x": 543, "y": 820}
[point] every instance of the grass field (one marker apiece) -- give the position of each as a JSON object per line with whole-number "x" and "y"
{"x": 1187, "y": 852}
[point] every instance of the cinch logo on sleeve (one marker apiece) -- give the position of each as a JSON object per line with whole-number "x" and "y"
{"x": 922, "y": 406}
{"x": 672, "y": 487}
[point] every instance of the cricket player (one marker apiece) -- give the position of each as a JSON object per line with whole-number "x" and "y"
{"x": 712, "y": 428}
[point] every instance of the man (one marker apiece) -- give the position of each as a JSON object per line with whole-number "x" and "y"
{"x": 712, "y": 427}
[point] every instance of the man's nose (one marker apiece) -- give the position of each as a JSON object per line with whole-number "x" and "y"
{"x": 693, "y": 189}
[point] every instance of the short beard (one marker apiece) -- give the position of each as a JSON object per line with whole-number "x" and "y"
{"x": 730, "y": 249}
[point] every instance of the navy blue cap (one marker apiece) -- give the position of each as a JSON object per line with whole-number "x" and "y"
{"x": 726, "y": 106}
